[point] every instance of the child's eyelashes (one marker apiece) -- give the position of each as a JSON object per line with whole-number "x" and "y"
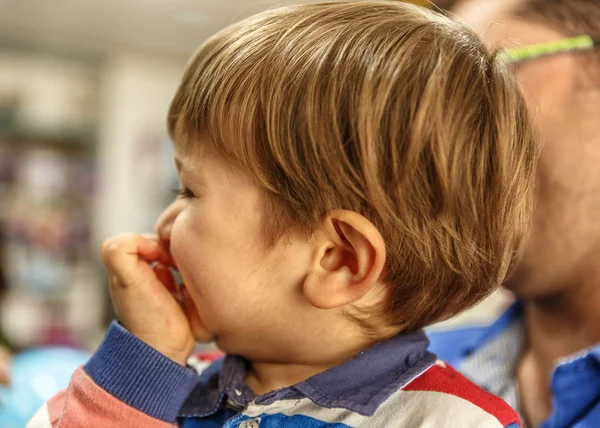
{"x": 184, "y": 193}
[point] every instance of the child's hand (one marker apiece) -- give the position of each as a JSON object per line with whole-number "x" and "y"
{"x": 145, "y": 297}
{"x": 5, "y": 361}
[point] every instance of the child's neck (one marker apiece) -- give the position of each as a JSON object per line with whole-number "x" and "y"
{"x": 263, "y": 377}
{"x": 266, "y": 377}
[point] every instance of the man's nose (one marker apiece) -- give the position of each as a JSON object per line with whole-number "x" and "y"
{"x": 165, "y": 222}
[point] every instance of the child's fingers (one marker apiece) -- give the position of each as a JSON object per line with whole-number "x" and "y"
{"x": 122, "y": 253}
{"x": 188, "y": 306}
{"x": 165, "y": 276}
{"x": 153, "y": 251}
{"x": 164, "y": 256}
{"x": 150, "y": 236}
{"x": 5, "y": 362}
{"x": 199, "y": 329}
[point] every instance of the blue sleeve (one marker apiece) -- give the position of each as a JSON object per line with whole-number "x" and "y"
{"x": 140, "y": 376}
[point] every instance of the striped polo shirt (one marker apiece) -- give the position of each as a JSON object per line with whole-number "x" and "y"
{"x": 395, "y": 383}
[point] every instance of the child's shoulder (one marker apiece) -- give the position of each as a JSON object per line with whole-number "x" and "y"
{"x": 442, "y": 394}
{"x": 438, "y": 396}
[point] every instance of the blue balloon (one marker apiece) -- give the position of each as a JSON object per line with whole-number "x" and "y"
{"x": 36, "y": 375}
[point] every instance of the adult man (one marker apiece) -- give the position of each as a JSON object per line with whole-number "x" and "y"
{"x": 543, "y": 355}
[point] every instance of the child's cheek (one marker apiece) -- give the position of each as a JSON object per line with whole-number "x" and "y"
{"x": 178, "y": 247}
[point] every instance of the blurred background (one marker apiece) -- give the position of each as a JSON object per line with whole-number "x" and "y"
{"x": 84, "y": 90}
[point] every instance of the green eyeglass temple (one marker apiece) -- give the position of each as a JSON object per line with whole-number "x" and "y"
{"x": 572, "y": 44}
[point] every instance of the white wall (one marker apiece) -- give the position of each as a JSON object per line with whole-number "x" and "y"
{"x": 137, "y": 91}
{"x": 53, "y": 93}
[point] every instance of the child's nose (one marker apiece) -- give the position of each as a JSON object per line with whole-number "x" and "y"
{"x": 164, "y": 224}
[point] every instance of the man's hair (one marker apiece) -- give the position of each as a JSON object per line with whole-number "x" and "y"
{"x": 383, "y": 108}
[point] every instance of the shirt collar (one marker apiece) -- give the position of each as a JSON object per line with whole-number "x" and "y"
{"x": 492, "y": 360}
{"x": 361, "y": 384}
{"x": 206, "y": 398}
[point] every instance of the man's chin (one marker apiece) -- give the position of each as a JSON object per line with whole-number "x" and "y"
{"x": 519, "y": 283}
{"x": 528, "y": 283}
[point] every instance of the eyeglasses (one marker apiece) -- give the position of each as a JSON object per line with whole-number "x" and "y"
{"x": 568, "y": 45}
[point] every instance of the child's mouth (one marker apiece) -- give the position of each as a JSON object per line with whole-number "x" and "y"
{"x": 177, "y": 276}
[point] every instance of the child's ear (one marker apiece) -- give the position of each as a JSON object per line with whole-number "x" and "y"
{"x": 349, "y": 260}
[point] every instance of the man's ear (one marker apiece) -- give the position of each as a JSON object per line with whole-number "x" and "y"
{"x": 349, "y": 260}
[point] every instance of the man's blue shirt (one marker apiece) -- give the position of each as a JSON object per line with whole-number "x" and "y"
{"x": 489, "y": 356}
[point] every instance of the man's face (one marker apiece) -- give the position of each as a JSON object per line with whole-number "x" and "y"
{"x": 564, "y": 245}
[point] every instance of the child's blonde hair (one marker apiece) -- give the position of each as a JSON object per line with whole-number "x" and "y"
{"x": 385, "y": 109}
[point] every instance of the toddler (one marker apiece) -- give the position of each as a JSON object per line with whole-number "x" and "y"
{"x": 351, "y": 172}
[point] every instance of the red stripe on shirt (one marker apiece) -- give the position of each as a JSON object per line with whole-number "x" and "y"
{"x": 441, "y": 377}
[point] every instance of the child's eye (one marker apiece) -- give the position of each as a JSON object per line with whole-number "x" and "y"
{"x": 184, "y": 192}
